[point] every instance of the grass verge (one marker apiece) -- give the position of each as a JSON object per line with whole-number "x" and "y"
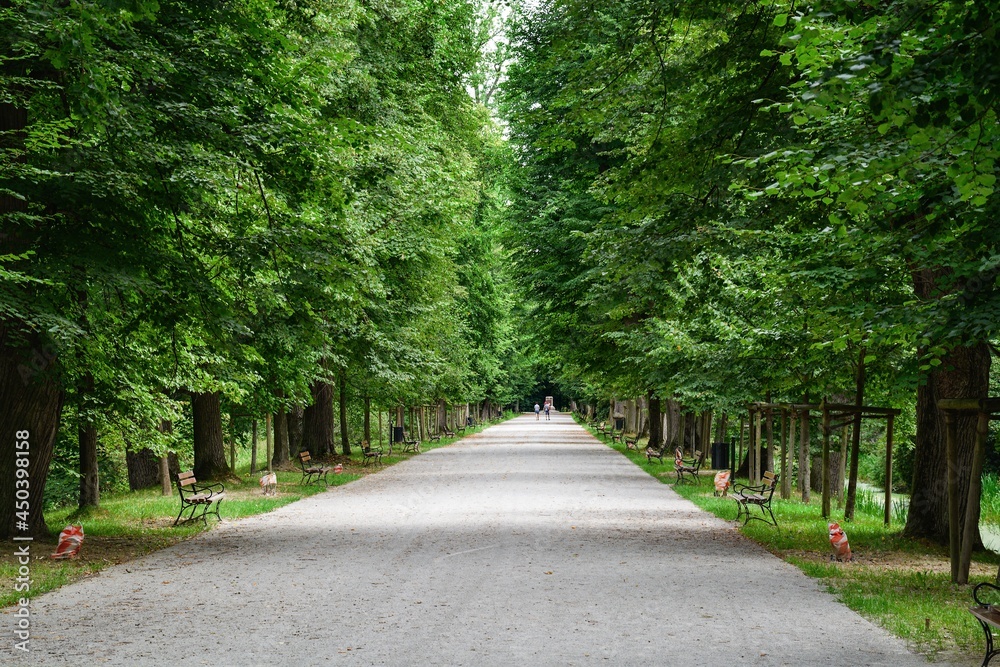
{"x": 131, "y": 525}
{"x": 902, "y": 584}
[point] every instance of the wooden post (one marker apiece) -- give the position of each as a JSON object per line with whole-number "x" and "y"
{"x": 971, "y": 526}
{"x": 842, "y": 473}
{"x": 804, "y": 462}
{"x": 793, "y": 438}
{"x": 888, "y": 470}
{"x": 743, "y": 428}
{"x": 232, "y": 454}
{"x": 826, "y": 463}
{"x": 380, "y": 428}
{"x": 785, "y": 468}
{"x": 769, "y": 423}
{"x": 952, "y": 472}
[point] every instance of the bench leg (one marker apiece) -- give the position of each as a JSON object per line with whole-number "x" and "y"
{"x": 181, "y": 513}
{"x": 742, "y": 510}
{"x": 209, "y": 510}
{"x": 193, "y": 515}
{"x": 990, "y": 651}
{"x": 765, "y": 511}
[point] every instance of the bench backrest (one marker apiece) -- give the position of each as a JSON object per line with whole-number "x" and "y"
{"x": 186, "y": 478}
{"x": 365, "y": 447}
{"x": 770, "y": 482}
{"x": 304, "y": 458}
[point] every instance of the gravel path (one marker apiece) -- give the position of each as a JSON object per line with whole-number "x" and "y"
{"x": 527, "y": 544}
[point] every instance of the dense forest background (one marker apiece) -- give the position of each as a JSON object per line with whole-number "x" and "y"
{"x": 213, "y": 211}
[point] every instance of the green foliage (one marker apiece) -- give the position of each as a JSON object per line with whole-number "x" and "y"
{"x": 727, "y": 201}
{"x": 249, "y": 197}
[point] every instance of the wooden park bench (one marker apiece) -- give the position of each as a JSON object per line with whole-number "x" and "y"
{"x": 448, "y": 433}
{"x": 654, "y": 453}
{"x": 410, "y": 444}
{"x": 759, "y": 496}
{"x": 631, "y": 441}
{"x": 616, "y": 436}
{"x": 602, "y": 429}
{"x": 197, "y": 499}
{"x": 312, "y": 473}
{"x": 988, "y": 616}
{"x": 435, "y": 438}
{"x": 687, "y": 469}
{"x": 370, "y": 453}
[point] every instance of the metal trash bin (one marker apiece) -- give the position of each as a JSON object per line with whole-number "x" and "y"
{"x": 397, "y": 434}
{"x": 720, "y": 455}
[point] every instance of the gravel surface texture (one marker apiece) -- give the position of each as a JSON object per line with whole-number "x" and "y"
{"x": 527, "y": 544}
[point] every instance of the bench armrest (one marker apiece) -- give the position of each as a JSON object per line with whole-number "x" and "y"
{"x": 990, "y": 588}
{"x": 747, "y": 489}
{"x": 211, "y": 489}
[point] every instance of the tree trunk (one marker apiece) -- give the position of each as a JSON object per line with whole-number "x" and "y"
{"x": 655, "y": 422}
{"x": 721, "y": 426}
{"x": 209, "y": 448}
{"x": 668, "y": 424}
{"x": 367, "y": 428}
{"x": 90, "y": 488}
{"x": 963, "y": 373}
{"x": 268, "y": 439}
{"x": 294, "y": 420}
{"x": 165, "y": 486}
{"x": 143, "y": 468}
{"x": 345, "y": 445}
{"x": 29, "y": 420}
{"x": 317, "y": 421}
{"x": 281, "y": 445}
{"x": 682, "y": 421}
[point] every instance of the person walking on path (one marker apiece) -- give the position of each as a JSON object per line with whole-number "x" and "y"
{"x": 548, "y": 406}
{"x": 537, "y": 410}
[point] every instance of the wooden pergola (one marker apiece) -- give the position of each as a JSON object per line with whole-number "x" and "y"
{"x": 961, "y": 543}
{"x": 835, "y": 416}
{"x": 838, "y": 415}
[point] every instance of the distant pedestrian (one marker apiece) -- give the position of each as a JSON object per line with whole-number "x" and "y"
{"x": 548, "y": 407}
{"x": 537, "y": 411}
